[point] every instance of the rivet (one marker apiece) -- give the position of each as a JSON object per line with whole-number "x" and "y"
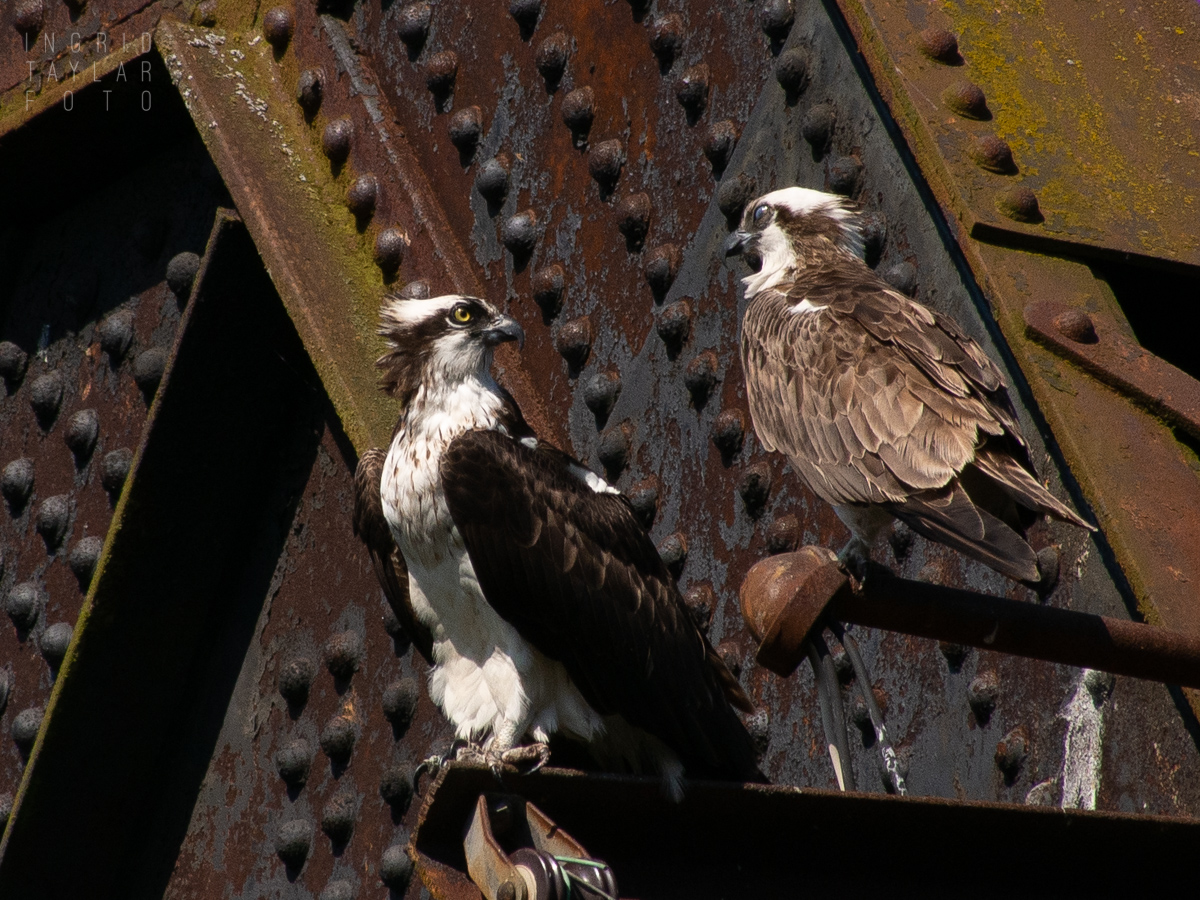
{"x": 1049, "y": 563}
{"x": 83, "y": 429}
{"x": 440, "y": 71}
{"x": 1019, "y": 204}
{"x": 700, "y": 376}
{"x": 993, "y": 154}
{"x": 294, "y": 841}
{"x": 613, "y": 448}
{"x": 17, "y": 484}
{"x": 605, "y": 161}
{"x": 181, "y": 272}
{"x": 343, "y": 654}
{"x": 25, "y": 728}
{"x": 466, "y": 130}
{"x": 775, "y": 17}
{"x": 492, "y": 180}
{"x": 1076, "y": 325}
{"x": 755, "y": 487}
{"x": 335, "y": 140}
{"x": 390, "y": 247}
{"x": 955, "y": 654}
{"x": 362, "y": 198}
{"x": 53, "y": 517}
{"x": 400, "y": 703}
{"x": 205, "y": 13}
{"x": 13, "y": 361}
{"x": 732, "y": 197}
{"x": 278, "y": 26}
{"x": 791, "y": 71}
{"x": 54, "y": 643}
{"x": 1099, "y": 685}
{"x": 310, "y": 90}
{"x": 982, "y": 694}
{"x": 666, "y": 39}
{"x": 337, "y": 890}
{"x": 24, "y": 604}
{"x": 519, "y": 233}
{"x": 729, "y": 432}
{"x": 600, "y": 394}
{"x": 83, "y": 559}
{"x": 673, "y": 551}
{"x": 691, "y": 89}
{"x": 818, "y": 126}
{"x": 295, "y": 677}
{"x": 701, "y": 603}
{"x": 940, "y": 45}
{"x": 643, "y": 497}
{"x": 1011, "y": 752}
{"x": 551, "y": 58}
{"x": 574, "y": 342}
{"x": 783, "y": 534}
{"x": 396, "y": 789}
{"x": 903, "y": 277}
{"x": 758, "y": 724}
{"x": 29, "y": 17}
{"x": 395, "y": 868}
{"x": 874, "y": 228}
{"x": 337, "y": 818}
{"x": 902, "y": 537}
{"x": 293, "y": 761}
{"x": 674, "y": 324}
{"x": 660, "y": 268}
{"x": 413, "y": 25}
{"x": 967, "y": 100}
{"x": 719, "y": 145}
{"x": 417, "y": 289}
{"x": 115, "y": 470}
{"x": 845, "y": 176}
{"x": 633, "y": 219}
{"x": 116, "y": 335}
{"x": 45, "y": 396}
{"x": 338, "y": 738}
{"x": 526, "y": 14}
{"x": 731, "y": 656}
{"x": 148, "y": 369}
{"x": 578, "y": 111}
{"x": 548, "y": 284}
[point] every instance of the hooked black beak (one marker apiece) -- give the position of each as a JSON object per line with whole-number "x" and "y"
{"x": 506, "y": 328}
{"x": 736, "y": 243}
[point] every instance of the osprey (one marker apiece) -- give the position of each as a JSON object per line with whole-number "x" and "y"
{"x": 884, "y": 407}
{"x": 531, "y": 588}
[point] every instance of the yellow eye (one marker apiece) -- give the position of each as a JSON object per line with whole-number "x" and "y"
{"x": 462, "y": 314}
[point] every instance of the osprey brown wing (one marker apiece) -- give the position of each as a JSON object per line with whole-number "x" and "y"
{"x": 372, "y": 528}
{"x": 574, "y": 572}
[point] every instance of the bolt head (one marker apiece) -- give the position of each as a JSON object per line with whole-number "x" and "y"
{"x": 729, "y": 431}
{"x": 818, "y": 125}
{"x": 17, "y": 483}
{"x": 691, "y": 88}
{"x": 335, "y": 140}
{"x": 310, "y": 90}
{"x": 395, "y": 867}
{"x": 363, "y": 196}
{"x": 45, "y": 396}
{"x": 492, "y": 180}
{"x": 720, "y": 143}
{"x": 701, "y": 603}
{"x": 674, "y": 324}
{"x": 967, "y": 100}
{"x": 441, "y": 71}
{"x": 605, "y": 162}
{"x": 940, "y": 45}
{"x": 551, "y": 58}
{"x": 278, "y": 26}
{"x": 343, "y": 654}
{"x": 294, "y": 841}
{"x": 390, "y": 246}
{"x": 1020, "y": 204}
{"x": 775, "y": 17}
{"x": 1077, "y": 326}
{"x": 783, "y": 535}
{"x": 673, "y": 549}
{"x": 633, "y": 219}
{"x": 700, "y": 376}
{"x": 293, "y": 761}
{"x": 466, "y": 129}
{"x": 413, "y": 24}
{"x": 845, "y": 176}
{"x": 791, "y": 70}
{"x": 579, "y": 109}
{"x": 993, "y": 154}
{"x": 574, "y": 341}
{"x": 548, "y": 285}
{"x": 13, "y": 361}
{"x": 666, "y": 38}
{"x": 519, "y": 233}
{"x": 115, "y": 470}
{"x": 732, "y": 197}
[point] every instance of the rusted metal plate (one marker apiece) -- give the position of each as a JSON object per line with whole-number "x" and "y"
{"x": 1092, "y": 110}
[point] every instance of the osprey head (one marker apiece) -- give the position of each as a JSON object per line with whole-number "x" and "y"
{"x": 449, "y": 338}
{"x": 787, "y": 229}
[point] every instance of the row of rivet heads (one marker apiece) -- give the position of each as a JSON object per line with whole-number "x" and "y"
{"x": 343, "y": 654}
{"x": 988, "y": 151}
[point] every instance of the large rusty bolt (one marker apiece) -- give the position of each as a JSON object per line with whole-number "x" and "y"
{"x": 775, "y": 17}
{"x": 294, "y": 841}
{"x": 729, "y": 432}
{"x": 339, "y": 815}
{"x": 791, "y": 70}
{"x": 691, "y": 89}
{"x": 335, "y": 140}
{"x": 719, "y": 144}
{"x": 13, "y": 361}
{"x": 396, "y": 789}
{"x": 783, "y": 534}
{"x": 17, "y": 484}
{"x": 845, "y": 176}
{"x": 293, "y": 761}
{"x": 278, "y": 27}
{"x": 25, "y": 729}
{"x": 818, "y": 126}
{"x": 967, "y": 100}
{"x": 643, "y": 497}
{"x": 115, "y": 470}
{"x": 633, "y": 219}
{"x": 700, "y": 376}
{"x": 181, "y": 274}
{"x": 395, "y": 866}
{"x": 54, "y": 643}
{"x": 874, "y": 228}
{"x": 548, "y": 284}
{"x": 493, "y": 179}
{"x": 148, "y": 370}
{"x": 363, "y": 197}
{"x": 701, "y": 603}
{"x": 116, "y": 335}
{"x": 660, "y": 268}
{"x": 1076, "y": 325}
{"x": 754, "y": 487}
{"x": 390, "y": 246}
{"x": 526, "y": 14}
{"x": 731, "y": 655}
{"x": 1011, "y": 752}
{"x": 673, "y": 549}
{"x": 45, "y": 396}
{"x": 675, "y": 324}
{"x": 955, "y": 654}
{"x": 417, "y": 289}
{"x": 732, "y": 197}
{"x": 614, "y": 447}
{"x": 600, "y": 394}
{"x": 343, "y": 654}
{"x": 295, "y": 678}
{"x": 29, "y": 17}
{"x": 338, "y": 738}
{"x": 940, "y": 45}
{"x": 666, "y": 39}
{"x": 605, "y": 162}
{"x": 83, "y": 560}
{"x": 466, "y": 129}
{"x": 400, "y": 703}
{"x": 83, "y": 429}
{"x": 982, "y": 695}
{"x": 578, "y": 110}
{"x": 551, "y": 58}
{"x": 440, "y": 72}
{"x": 993, "y": 154}
{"x": 574, "y": 342}
{"x": 519, "y": 233}
{"x": 413, "y": 25}
{"x": 310, "y": 91}
{"x": 902, "y": 276}
{"x": 24, "y": 604}
{"x": 1019, "y": 204}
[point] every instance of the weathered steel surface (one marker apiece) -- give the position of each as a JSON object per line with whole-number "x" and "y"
{"x": 1096, "y": 107}
{"x": 768, "y": 841}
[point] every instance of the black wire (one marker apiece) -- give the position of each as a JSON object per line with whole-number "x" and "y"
{"x": 832, "y": 716}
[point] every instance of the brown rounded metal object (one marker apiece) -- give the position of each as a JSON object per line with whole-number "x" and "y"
{"x": 278, "y": 26}
{"x": 992, "y": 153}
{"x": 967, "y": 99}
{"x": 782, "y": 583}
{"x": 1077, "y": 326}
{"x": 441, "y": 71}
{"x": 29, "y": 17}
{"x": 939, "y": 45}
{"x": 1019, "y": 204}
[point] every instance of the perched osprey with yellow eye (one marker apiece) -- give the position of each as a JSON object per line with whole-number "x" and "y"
{"x": 531, "y": 587}
{"x": 885, "y": 408}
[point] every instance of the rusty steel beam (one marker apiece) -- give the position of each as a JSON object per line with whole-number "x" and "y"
{"x": 785, "y": 597}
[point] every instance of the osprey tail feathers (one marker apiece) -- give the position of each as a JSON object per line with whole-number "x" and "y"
{"x": 1019, "y": 484}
